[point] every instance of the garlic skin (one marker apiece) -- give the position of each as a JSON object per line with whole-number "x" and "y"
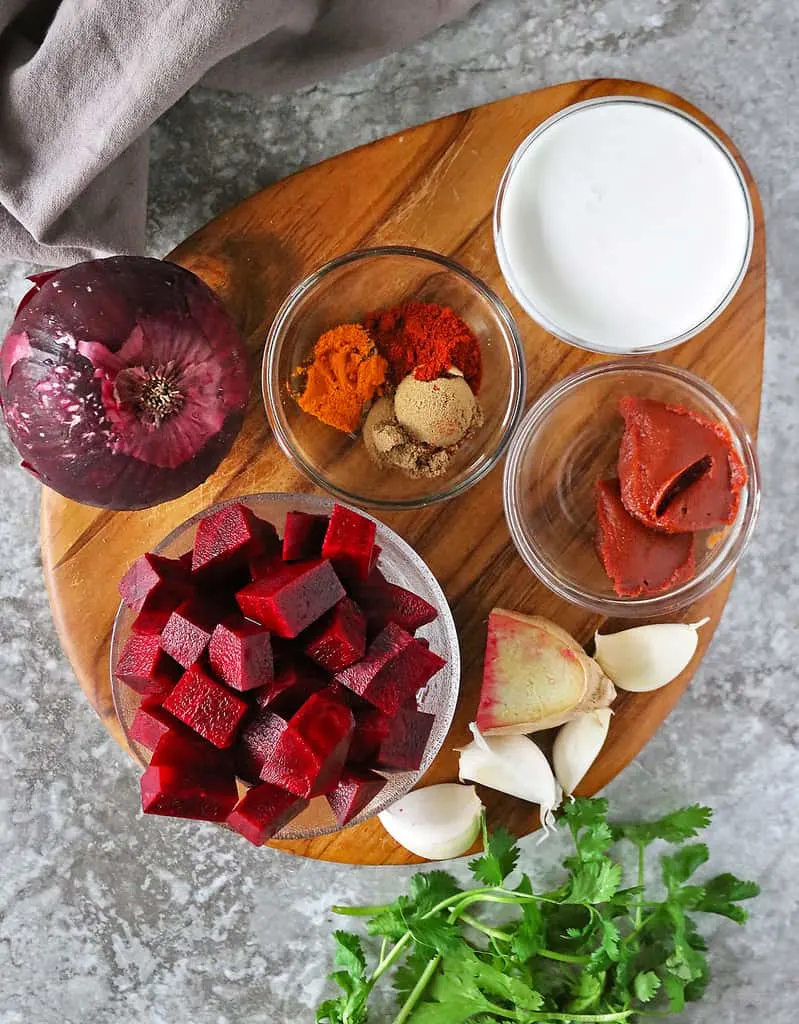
{"x": 514, "y": 765}
{"x": 647, "y": 657}
{"x": 577, "y": 746}
{"x": 436, "y": 822}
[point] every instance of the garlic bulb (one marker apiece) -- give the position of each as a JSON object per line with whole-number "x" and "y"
{"x": 514, "y": 765}
{"x": 577, "y": 746}
{"x": 647, "y": 657}
{"x": 437, "y": 822}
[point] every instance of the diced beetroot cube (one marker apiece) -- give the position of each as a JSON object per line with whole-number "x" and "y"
{"x": 159, "y": 688}
{"x": 395, "y": 668}
{"x": 188, "y": 632}
{"x": 150, "y": 724}
{"x": 293, "y": 597}
{"x": 356, "y": 788}
{"x": 402, "y": 749}
{"x": 240, "y": 653}
{"x": 302, "y": 536}
{"x": 349, "y": 543}
{"x": 383, "y": 602}
{"x": 339, "y": 638}
{"x": 182, "y": 746}
{"x": 142, "y": 660}
{"x": 311, "y": 751}
{"x": 227, "y": 539}
{"x": 257, "y": 744}
{"x": 264, "y": 565}
{"x": 292, "y": 686}
{"x": 185, "y": 792}
{"x": 155, "y": 614}
{"x": 150, "y": 577}
{"x": 206, "y": 706}
{"x": 263, "y": 811}
{"x": 371, "y": 728}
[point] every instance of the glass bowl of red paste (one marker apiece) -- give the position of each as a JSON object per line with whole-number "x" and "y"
{"x": 367, "y": 288}
{"x": 631, "y": 488}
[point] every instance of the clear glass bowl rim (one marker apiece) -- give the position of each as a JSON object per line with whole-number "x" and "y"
{"x": 529, "y": 306}
{"x": 319, "y": 504}
{"x": 270, "y": 383}
{"x": 716, "y": 569}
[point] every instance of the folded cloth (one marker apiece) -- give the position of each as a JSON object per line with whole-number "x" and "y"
{"x": 81, "y": 81}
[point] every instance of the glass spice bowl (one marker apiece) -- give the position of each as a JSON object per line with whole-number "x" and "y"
{"x": 344, "y": 291}
{"x": 400, "y": 564}
{"x": 568, "y": 440}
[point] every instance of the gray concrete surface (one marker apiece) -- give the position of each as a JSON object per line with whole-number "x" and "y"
{"x": 109, "y": 918}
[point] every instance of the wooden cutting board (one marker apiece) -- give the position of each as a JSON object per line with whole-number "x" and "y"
{"x": 431, "y": 186}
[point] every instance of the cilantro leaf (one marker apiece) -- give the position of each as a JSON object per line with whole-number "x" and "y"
{"x": 675, "y": 991}
{"x": 721, "y": 895}
{"x": 349, "y": 954}
{"x": 410, "y": 971}
{"x": 676, "y": 827}
{"x": 500, "y": 857}
{"x": 467, "y": 986}
{"x": 529, "y": 935}
{"x": 587, "y": 991}
{"x": 430, "y": 888}
{"x": 435, "y": 933}
{"x": 390, "y": 923}
{"x": 679, "y": 867}
{"x": 645, "y": 986}
{"x": 611, "y": 938}
{"x": 594, "y": 882}
{"x": 330, "y": 1012}
{"x": 585, "y": 812}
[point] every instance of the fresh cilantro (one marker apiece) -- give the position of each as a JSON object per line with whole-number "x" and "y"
{"x": 500, "y": 857}
{"x": 591, "y": 948}
{"x": 645, "y": 986}
{"x": 672, "y": 828}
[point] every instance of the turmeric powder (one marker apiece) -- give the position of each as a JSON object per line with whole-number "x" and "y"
{"x": 344, "y": 376}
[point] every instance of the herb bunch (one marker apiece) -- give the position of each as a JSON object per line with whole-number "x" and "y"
{"x": 588, "y": 951}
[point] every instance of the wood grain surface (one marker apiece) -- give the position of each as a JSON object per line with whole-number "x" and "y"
{"x": 431, "y": 186}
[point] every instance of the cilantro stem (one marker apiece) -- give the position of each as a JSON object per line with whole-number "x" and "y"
{"x": 393, "y": 954}
{"x": 416, "y": 992}
{"x": 494, "y": 933}
{"x": 564, "y": 958}
{"x": 639, "y": 906}
{"x": 359, "y": 911}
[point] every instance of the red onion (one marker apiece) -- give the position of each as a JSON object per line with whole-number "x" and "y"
{"x": 123, "y": 381}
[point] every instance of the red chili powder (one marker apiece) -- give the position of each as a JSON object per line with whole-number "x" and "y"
{"x": 425, "y": 339}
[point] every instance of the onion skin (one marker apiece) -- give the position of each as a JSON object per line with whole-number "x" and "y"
{"x": 82, "y": 333}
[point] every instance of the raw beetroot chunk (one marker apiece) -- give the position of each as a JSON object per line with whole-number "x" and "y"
{"x": 679, "y": 472}
{"x": 349, "y": 543}
{"x": 356, "y": 788}
{"x": 292, "y": 686}
{"x": 263, "y": 811}
{"x": 302, "y": 536}
{"x": 311, "y": 750}
{"x": 338, "y": 639}
{"x": 188, "y": 632}
{"x": 371, "y": 728}
{"x": 228, "y": 538}
{"x": 383, "y": 602}
{"x": 257, "y": 744}
{"x": 150, "y": 578}
{"x": 240, "y": 653}
{"x": 187, "y": 792}
{"x": 395, "y": 668}
{"x": 142, "y": 660}
{"x": 295, "y": 595}
{"x": 206, "y": 706}
{"x": 639, "y": 561}
{"x": 150, "y": 724}
{"x": 403, "y": 747}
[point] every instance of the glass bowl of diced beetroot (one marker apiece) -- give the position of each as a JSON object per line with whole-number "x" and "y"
{"x": 283, "y": 665}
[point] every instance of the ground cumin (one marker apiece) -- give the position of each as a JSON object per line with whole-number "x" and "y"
{"x": 342, "y": 379}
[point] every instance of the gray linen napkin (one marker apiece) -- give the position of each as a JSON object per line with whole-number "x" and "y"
{"x": 81, "y": 81}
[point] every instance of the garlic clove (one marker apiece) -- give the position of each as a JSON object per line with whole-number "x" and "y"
{"x": 577, "y": 746}
{"x": 647, "y": 657}
{"x": 514, "y": 765}
{"x": 436, "y": 822}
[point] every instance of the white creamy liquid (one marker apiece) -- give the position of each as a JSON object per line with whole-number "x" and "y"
{"x": 624, "y": 225}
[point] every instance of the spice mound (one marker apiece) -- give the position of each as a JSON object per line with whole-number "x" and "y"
{"x": 407, "y": 377}
{"x": 343, "y": 377}
{"x": 679, "y": 475}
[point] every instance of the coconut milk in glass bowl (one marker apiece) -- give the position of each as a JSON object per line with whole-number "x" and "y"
{"x": 623, "y": 225}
